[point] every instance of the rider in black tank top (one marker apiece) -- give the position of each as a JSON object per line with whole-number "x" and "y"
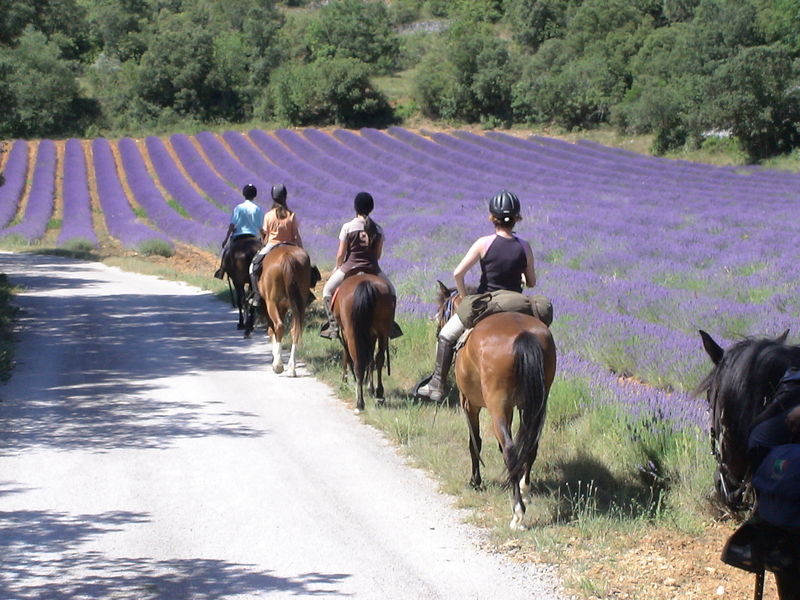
{"x": 505, "y": 261}
{"x": 503, "y": 265}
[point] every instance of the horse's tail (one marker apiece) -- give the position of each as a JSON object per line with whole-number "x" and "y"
{"x": 365, "y": 299}
{"x": 532, "y": 399}
{"x": 291, "y": 266}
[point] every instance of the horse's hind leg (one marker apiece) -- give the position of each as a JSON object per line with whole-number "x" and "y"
{"x": 277, "y": 337}
{"x": 502, "y": 431}
{"x": 297, "y": 331}
{"x": 380, "y": 360}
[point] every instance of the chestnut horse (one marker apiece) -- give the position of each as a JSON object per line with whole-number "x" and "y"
{"x": 237, "y": 266}
{"x": 364, "y": 309}
{"x": 738, "y": 388}
{"x": 284, "y": 285}
{"x": 508, "y": 361}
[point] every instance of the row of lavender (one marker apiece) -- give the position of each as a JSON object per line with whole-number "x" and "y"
{"x": 637, "y": 253}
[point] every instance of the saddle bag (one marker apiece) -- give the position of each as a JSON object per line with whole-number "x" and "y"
{"x": 777, "y": 485}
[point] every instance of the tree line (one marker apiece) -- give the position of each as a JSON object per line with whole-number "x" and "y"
{"x": 678, "y": 69}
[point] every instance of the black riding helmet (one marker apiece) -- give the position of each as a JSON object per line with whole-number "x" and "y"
{"x": 505, "y": 206}
{"x": 249, "y": 191}
{"x": 363, "y": 203}
{"x": 279, "y": 193}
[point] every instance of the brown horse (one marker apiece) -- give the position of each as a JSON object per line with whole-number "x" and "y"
{"x": 508, "y": 361}
{"x": 284, "y": 285}
{"x": 364, "y": 310}
{"x": 237, "y": 266}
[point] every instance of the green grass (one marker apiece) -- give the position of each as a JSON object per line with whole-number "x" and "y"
{"x": 8, "y": 313}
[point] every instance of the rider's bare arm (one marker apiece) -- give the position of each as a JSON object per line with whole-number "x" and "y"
{"x": 341, "y": 252}
{"x": 472, "y": 256}
{"x": 530, "y": 270}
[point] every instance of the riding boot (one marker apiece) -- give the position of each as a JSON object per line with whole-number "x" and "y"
{"x": 255, "y": 296}
{"x": 435, "y": 388}
{"x": 330, "y": 330}
{"x": 394, "y": 331}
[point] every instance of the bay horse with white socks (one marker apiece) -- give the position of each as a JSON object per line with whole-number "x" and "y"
{"x": 508, "y": 361}
{"x": 284, "y": 285}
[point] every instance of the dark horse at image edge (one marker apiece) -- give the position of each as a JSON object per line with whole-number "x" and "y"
{"x": 738, "y": 388}
{"x": 237, "y": 266}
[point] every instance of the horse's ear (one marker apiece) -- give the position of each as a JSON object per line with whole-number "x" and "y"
{"x": 782, "y": 337}
{"x": 712, "y": 348}
{"x": 443, "y": 288}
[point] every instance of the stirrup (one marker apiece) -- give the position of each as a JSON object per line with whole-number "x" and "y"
{"x": 395, "y": 331}
{"x": 219, "y": 273}
{"x": 425, "y": 382}
{"x": 328, "y": 332}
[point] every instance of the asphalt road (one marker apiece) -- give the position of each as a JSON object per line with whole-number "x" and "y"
{"x": 148, "y": 452}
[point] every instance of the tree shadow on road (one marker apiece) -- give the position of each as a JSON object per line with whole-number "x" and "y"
{"x": 114, "y": 353}
{"x": 42, "y": 560}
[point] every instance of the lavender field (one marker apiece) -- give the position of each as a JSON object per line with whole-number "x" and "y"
{"x": 637, "y": 253}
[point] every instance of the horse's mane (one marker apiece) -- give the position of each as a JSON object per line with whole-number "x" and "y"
{"x": 747, "y": 377}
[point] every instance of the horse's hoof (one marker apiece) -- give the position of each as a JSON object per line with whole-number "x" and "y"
{"x": 277, "y": 369}
{"x": 517, "y": 525}
{"x": 240, "y": 326}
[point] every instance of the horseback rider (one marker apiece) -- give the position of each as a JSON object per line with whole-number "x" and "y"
{"x": 245, "y": 222}
{"x": 505, "y": 261}
{"x": 768, "y": 539}
{"x": 280, "y": 227}
{"x": 360, "y": 248}
{"x": 772, "y": 427}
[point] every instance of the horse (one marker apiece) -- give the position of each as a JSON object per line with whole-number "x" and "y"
{"x": 738, "y": 388}
{"x": 364, "y": 310}
{"x": 285, "y": 283}
{"x": 508, "y": 361}
{"x": 237, "y": 266}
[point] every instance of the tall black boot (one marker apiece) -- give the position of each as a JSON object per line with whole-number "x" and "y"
{"x": 255, "y": 296}
{"x": 330, "y": 330}
{"x": 435, "y": 388}
{"x": 395, "y": 331}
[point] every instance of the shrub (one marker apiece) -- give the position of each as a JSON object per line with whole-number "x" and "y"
{"x": 156, "y": 247}
{"x": 328, "y": 91}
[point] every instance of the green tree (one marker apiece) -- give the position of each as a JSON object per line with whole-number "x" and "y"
{"x": 468, "y": 77}
{"x": 174, "y": 70}
{"x": 41, "y": 93}
{"x": 755, "y": 94}
{"x": 117, "y": 27}
{"x": 324, "y": 92}
{"x": 535, "y": 21}
{"x": 359, "y": 29}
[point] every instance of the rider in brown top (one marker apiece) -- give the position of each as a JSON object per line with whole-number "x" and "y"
{"x": 360, "y": 248}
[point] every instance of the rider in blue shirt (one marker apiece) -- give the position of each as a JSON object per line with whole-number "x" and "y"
{"x": 246, "y": 221}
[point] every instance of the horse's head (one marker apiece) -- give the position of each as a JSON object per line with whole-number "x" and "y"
{"x": 447, "y": 301}
{"x": 738, "y": 388}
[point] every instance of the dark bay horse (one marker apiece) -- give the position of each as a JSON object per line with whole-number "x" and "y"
{"x": 285, "y": 284}
{"x": 364, "y": 310}
{"x": 237, "y": 266}
{"x": 507, "y": 362}
{"x": 738, "y": 388}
